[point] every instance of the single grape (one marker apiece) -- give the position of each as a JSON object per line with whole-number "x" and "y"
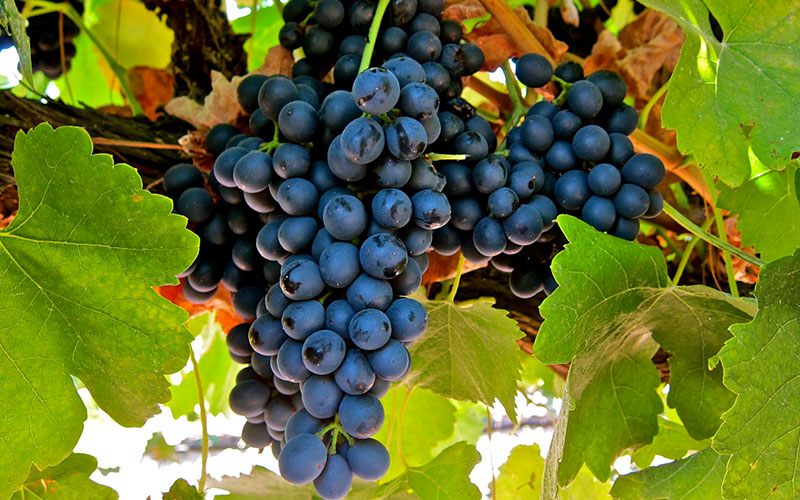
{"x": 237, "y": 340}
{"x": 466, "y": 213}
{"x": 406, "y": 138}
{"x": 644, "y": 170}
{"x": 656, "y": 205}
{"x": 416, "y": 239}
{"x": 266, "y": 335}
{"x": 411, "y": 278}
{"x": 524, "y": 226}
{"x": 361, "y": 416}
{"x": 585, "y": 99}
{"x": 196, "y": 204}
{"x": 408, "y": 319}
{"x": 323, "y": 352}
{"x": 424, "y": 45}
{"x": 623, "y": 120}
{"x": 339, "y": 264}
{"x": 302, "y": 459}
{"x": 362, "y": 140}
{"x": 370, "y": 329}
{"x": 526, "y": 179}
{"x": 336, "y": 479}
{"x": 389, "y": 172}
{"x": 561, "y": 156}
{"x": 599, "y": 212}
{"x": 625, "y": 228}
{"x": 631, "y": 201}
{"x": 392, "y": 208}
{"x": 393, "y": 39}
{"x": 338, "y": 109}
{"x": 376, "y": 91}
{"x": 218, "y": 136}
{"x": 620, "y": 149}
{"x": 489, "y": 237}
{"x": 569, "y": 71}
{"x": 405, "y": 69}
{"x": 525, "y": 283}
{"x": 572, "y": 189}
{"x": 297, "y": 196}
{"x": 249, "y": 398}
{"x": 591, "y": 143}
{"x": 301, "y": 280}
{"x": 450, "y": 31}
{"x": 368, "y": 292}
{"x": 300, "y": 319}
{"x": 341, "y": 166}
{"x": 355, "y": 375}
{"x": 345, "y": 70}
{"x": 390, "y": 361}
{"x": 473, "y": 145}
{"x": 181, "y": 177}
{"x": 533, "y": 70}
{"x": 302, "y": 422}
{"x": 298, "y": 121}
{"x": 321, "y": 396}
{"x": 345, "y": 217}
{"x": 503, "y": 202}
{"x": 431, "y": 209}
{"x": 360, "y": 16}
{"x": 290, "y": 362}
{"x": 368, "y": 459}
{"x": 278, "y": 412}
{"x": 380, "y": 387}
{"x": 611, "y": 85}
{"x": 353, "y": 44}
{"x": 604, "y": 179}
{"x": 275, "y": 93}
{"x": 291, "y": 160}
{"x": 329, "y": 13}
{"x": 425, "y": 176}
{"x": 337, "y": 317}
{"x": 544, "y": 108}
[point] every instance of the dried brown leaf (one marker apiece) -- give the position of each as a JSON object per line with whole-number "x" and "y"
{"x": 152, "y": 87}
{"x": 653, "y": 41}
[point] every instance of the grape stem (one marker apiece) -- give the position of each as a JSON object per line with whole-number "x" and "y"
{"x": 649, "y": 106}
{"x": 337, "y": 429}
{"x": 445, "y": 156}
{"x": 518, "y": 109}
{"x": 116, "y": 68}
{"x": 451, "y": 297}
{"x": 710, "y": 238}
{"x": 201, "y": 484}
{"x": 269, "y": 147}
{"x": 687, "y": 252}
{"x": 722, "y": 233}
{"x": 372, "y": 38}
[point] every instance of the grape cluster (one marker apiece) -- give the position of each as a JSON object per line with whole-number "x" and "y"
{"x": 43, "y": 31}
{"x": 320, "y": 219}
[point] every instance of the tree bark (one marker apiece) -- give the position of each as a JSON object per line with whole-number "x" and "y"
{"x": 23, "y": 114}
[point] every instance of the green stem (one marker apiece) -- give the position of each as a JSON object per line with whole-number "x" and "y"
{"x": 722, "y": 233}
{"x": 564, "y": 84}
{"x": 444, "y": 156}
{"x": 116, "y": 68}
{"x": 366, "y": 57}
{"x": 670, "y": 242}
{"x": 457, "y": 280}
{"x": 400, "y": 425}
{"x": 269, "y": 147}
{"x": 519, "y": 109}
{"x": 687, "y": 253}
{"x": 709, "y": 238}
{"x": 649, "y": 106}
{"x": 201, "y": 484}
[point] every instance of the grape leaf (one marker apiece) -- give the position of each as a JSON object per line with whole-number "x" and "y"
{"x": 217, "y": 371}
{"x": 68, "y": 480}
{"x": 469, "y": 353}
{"x": 181, "y": 490}
{"x": 521, "y": 476}
{"x": 13, "y": 22}
{"x": 769, "y": 214}
{"x": 728, "y": 97}
{"x": 521, "y": 479}
{"x": 407, "y": 412}
{"x": 90, "y": 79}
{"x": 672, "y": 441}
{"x": 613, "y": 296}
{"x": 446, "y": 477}
{"x": 133, "y": 34}
{"x": 268, "y": 23}
{"x": 761, "y": 431}
{"x": 77, "y": 267}
{"x": 697, "y": 477}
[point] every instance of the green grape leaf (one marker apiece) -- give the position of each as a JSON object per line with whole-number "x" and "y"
{"x": 133, "y": 34}
{"x": 68, "y": 480}
{"x": 77, "y": 267}
{"x": 697, "y": 477}
{"x": 521, "y": 476}
{"x": 407, "y": 411}
{"x": 181, "y": 490}
{"x": 672, "y": 441}
{"x": 521, "y": 479}
{"x": 469, "y": 353}
{"x": 539, "y": 375}
{"x": 264, "y": 33}
{"x": 727, "y": 98}
{"x": 217, "y": 371}
{"x": 13, "y": 22}
{"x": 614, "y": 303}
{"x": 446, "y": 477}
{"x": 761, "y": 431}
{"x": 89, "y": 80}
{"x": 475, "y": 22}
{"x": 769, "y": 214}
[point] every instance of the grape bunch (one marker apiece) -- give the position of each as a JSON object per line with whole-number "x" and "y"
{"x": 43, "y": 31}
{"x": 319, "y": 220}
